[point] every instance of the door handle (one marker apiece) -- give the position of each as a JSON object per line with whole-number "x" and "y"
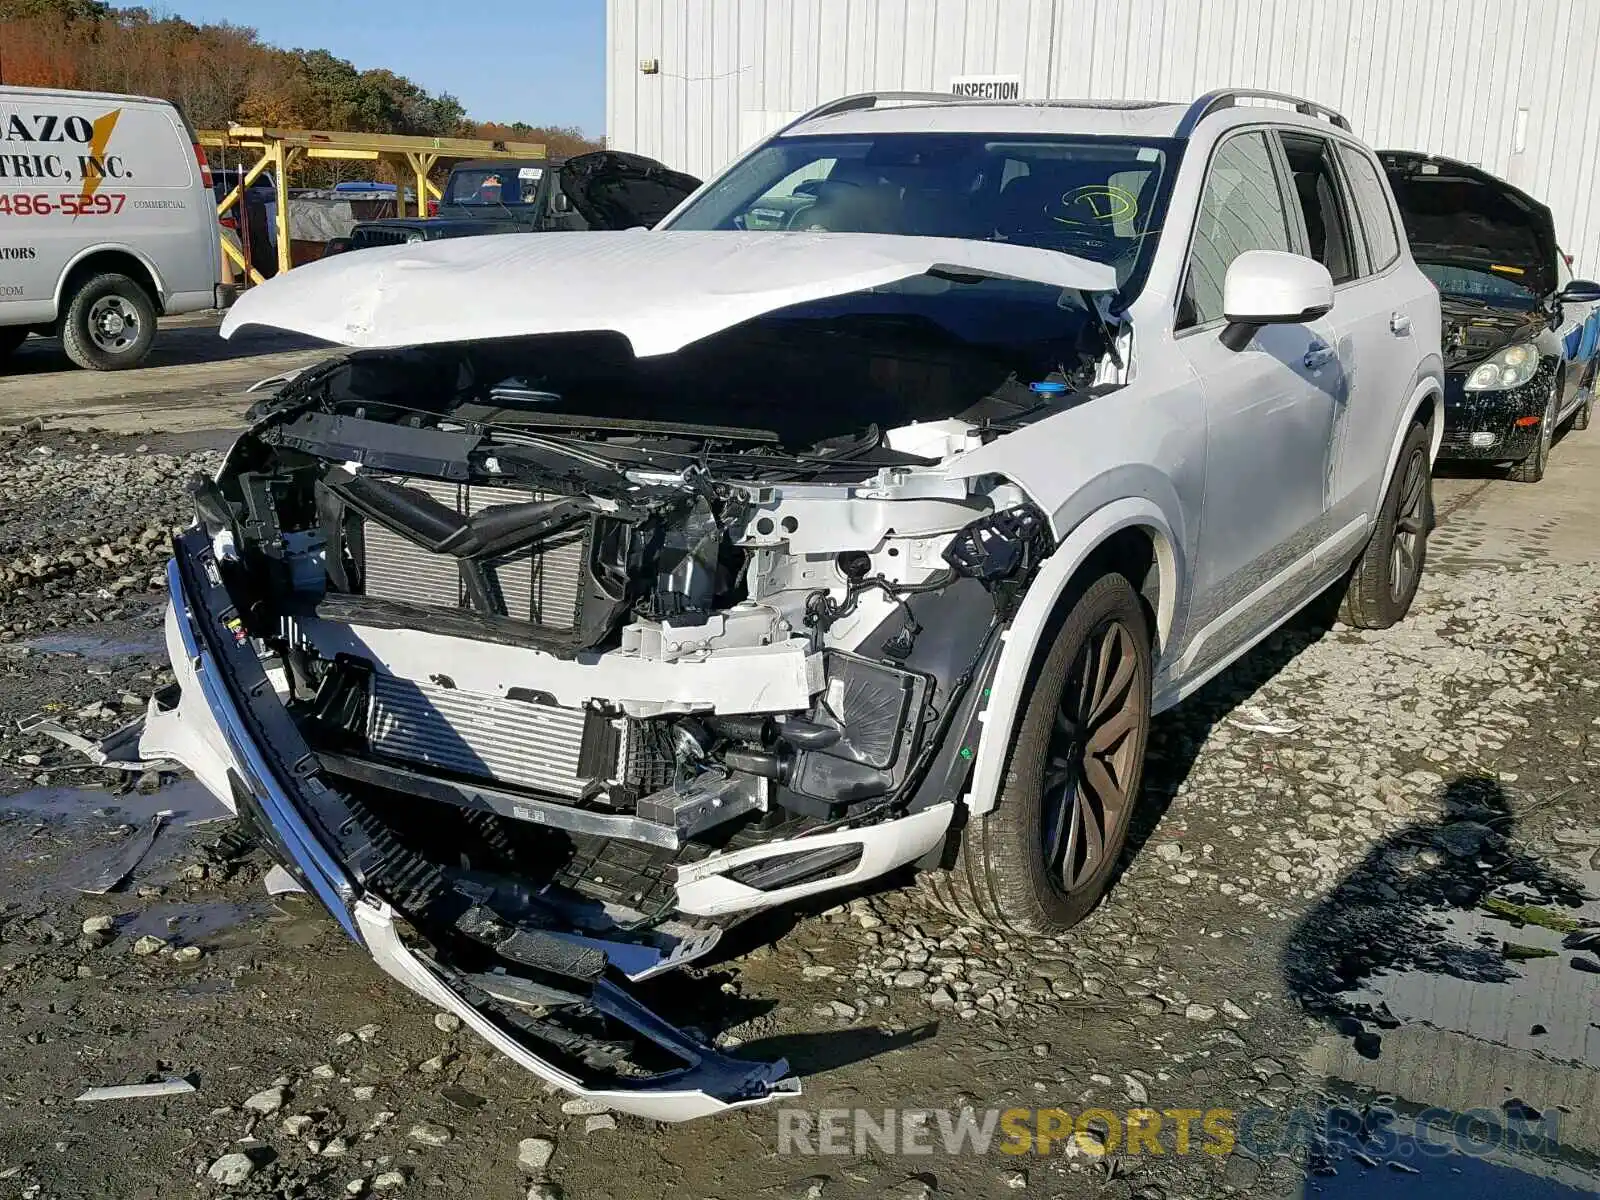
{"x": 1319, "y": 356}
{"x": 1399, "y": 324}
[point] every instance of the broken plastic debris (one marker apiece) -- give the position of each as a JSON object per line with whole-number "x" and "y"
{"x": 112, "y": 753}
{"x": 138, "y": 1091}
{"x": 103, "y": 873}
{"x": 280, "y": 883}
{"x": 1260, "y": 722}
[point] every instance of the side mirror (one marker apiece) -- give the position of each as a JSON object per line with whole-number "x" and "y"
{"x": 1579, "y": 291}
{"x": 1272, "y": 287}
{"x": 563, "y": 202}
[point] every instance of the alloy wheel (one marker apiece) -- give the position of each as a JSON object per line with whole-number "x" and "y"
{"x": 1547, "y": 427}
{"x": 1411, "y": 526}
{"x": 1092, "y": 761}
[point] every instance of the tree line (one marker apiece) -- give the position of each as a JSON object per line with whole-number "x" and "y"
{"x": 221, "y": 74}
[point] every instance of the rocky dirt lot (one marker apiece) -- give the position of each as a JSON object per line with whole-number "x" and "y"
{"x": 1355, "y": 845}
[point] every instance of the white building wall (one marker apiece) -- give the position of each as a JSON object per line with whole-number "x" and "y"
{"x": 1507, "y": 84}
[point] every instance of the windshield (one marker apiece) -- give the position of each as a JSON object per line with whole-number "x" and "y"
{"x": 1097, "y": 198}
{"x": 1471, "y": 283}
{"x": 491, "y": 187}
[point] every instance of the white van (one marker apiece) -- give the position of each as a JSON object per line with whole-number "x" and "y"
{"x": 107, "y": 221}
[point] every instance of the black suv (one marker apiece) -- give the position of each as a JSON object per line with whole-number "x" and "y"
{"x": 603, "y": 190}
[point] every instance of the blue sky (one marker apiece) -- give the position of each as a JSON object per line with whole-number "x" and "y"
{"x": 539, "y": 61}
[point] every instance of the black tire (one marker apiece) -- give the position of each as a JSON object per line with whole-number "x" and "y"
{"x": 1531, "y": 468}
{"x": 11, "y": 336}
{"x": 110, "y": 324}
{"x": 1000, "y": 876}
{"x": 1384, "y": 580}
{"x": 1581, "y": 418}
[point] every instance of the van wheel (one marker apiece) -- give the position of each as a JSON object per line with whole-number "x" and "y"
{"x": 11, "y": 336}
{"x": 110, "y": 324}
{"x": 1384, "y": 580}
{"x": 1039, "y": 861}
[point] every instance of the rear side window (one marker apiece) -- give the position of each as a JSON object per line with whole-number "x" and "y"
{"x": 1241, "y": 208}
{"x": 1372, "y": 201}
{"x": 1316, "y": 186}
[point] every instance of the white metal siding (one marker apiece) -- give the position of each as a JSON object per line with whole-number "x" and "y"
{"x": 1443, "y": 76}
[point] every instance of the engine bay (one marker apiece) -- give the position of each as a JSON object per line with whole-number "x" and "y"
{"x": 566, "y": 670}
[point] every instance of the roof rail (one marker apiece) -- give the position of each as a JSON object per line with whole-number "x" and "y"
{"x": 1222, "y": 98}
{"x": 871, "y": 100}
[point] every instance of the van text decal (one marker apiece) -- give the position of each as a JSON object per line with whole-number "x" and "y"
{"x": 46, "y": 127}
{"x": 24, "y": 158}
{"x": 22, "y": 252}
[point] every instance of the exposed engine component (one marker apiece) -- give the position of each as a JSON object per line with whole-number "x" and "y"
{"x": 574, "y": 753}
{"x": 583, "y": 662}
{"x": 1001, "y": 545}
{"x": 540, "y": 585}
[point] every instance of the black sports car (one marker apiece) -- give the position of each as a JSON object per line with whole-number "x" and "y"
{"x": 1518, "y": 342}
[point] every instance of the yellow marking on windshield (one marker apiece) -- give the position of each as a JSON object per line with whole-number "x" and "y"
{"x": 1507, "y": 270}
{"x": 1104, "y": 205}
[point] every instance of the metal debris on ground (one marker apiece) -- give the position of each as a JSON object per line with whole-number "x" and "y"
{"x": 137, "y": 1091}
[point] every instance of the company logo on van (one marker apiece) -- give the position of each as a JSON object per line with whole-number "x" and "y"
{"x": 15, "y": 252}
{"x": 25, "y": 139}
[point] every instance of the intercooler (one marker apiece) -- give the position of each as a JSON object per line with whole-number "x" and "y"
{"x": 542, "y": 587}
{"x": 561, "y": 751}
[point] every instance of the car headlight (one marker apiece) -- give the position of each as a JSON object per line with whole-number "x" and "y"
{"x": 413, "y": 237}
{"x": 1510, "y": 367}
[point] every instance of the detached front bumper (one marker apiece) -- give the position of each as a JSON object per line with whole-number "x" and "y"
{"x": 1492, "y": 426}
{"x": 229, "y": 727}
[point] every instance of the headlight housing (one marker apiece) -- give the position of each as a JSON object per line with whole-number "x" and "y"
{"x": 1509, "y": 367}
{"x": 412, "y": 238}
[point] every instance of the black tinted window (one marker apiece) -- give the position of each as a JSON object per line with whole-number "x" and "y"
{"x": 1372, "y": 201}
{"x": 1241, "y": 209}
{"x": 1316, "y": 185}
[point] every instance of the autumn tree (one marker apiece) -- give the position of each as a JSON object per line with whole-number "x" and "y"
{"x": 219, "y": 74}
{"x": 562, "y": 142}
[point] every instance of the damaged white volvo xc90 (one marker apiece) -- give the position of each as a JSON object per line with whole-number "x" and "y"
{"x": 616, "y": 586}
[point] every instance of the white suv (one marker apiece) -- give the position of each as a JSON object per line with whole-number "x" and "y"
{"x": 621, "y": 585}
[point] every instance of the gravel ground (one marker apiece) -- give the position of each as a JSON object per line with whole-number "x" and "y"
{"x": 1312, "y": 818}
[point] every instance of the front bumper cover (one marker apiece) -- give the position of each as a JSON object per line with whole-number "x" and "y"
{"x": 1495, "y": 413}
{"x": 230, "y": 729}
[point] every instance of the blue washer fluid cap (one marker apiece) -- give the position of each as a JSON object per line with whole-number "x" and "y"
{"x": 1048, "y": 387}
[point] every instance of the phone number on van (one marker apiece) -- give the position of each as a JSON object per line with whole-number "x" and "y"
{"x": 39, "y": 204}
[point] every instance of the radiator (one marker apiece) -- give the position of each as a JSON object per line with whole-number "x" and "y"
{"x": 561, "y": 751}
{"x": 542, "y": 588}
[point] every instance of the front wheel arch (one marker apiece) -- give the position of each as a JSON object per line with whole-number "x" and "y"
{"x": 1088, "y": 551}
{"x": 1038, "y": 862}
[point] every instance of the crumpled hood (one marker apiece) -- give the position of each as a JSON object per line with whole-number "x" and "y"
{"x": 660, "y": 290}
{"x": 1455, "y": 213}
